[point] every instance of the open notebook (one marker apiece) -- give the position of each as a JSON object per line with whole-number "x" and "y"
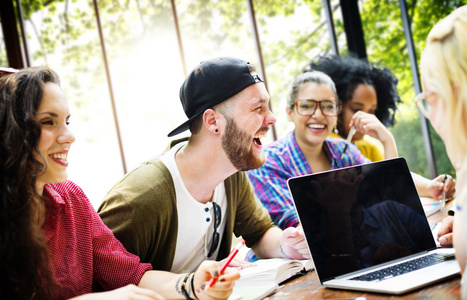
{"x": 363, "y": 219}
{"x": 267, "y": 275}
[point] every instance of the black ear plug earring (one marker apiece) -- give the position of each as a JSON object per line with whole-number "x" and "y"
{"x": 217, "y": 130}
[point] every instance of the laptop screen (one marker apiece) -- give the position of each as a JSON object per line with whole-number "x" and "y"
{"x": 360, "y": 216}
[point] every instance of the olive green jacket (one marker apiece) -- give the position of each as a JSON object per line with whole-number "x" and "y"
{"x": 141, "y": 210}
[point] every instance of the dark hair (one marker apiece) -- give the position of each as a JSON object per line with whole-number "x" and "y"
{"x": 307, "y": 77}
{"x": 23, "y": 249}
{"x": 348, "y": 72}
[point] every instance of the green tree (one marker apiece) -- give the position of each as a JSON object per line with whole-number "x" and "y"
{"x": 74, "y": 33}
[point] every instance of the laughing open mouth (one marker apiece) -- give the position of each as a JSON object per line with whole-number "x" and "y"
{"x": 257, "y": 138}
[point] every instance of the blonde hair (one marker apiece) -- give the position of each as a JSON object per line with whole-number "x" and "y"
{"x": 443, "y": 67}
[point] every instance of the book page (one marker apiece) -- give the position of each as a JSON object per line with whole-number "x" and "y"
{"x": 430, "y": 205}
{"x": 291, "y": 268}
{"x": 264, "y": 271}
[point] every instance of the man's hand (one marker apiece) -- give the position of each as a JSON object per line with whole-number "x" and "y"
{"x": 437, "y": 189}
{"x": 293, "y": 244}
{"x": 223, "y": 287}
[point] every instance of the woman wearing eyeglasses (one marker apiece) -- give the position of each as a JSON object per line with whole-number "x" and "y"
{"x": 53, "y": 244}
{"x": 443, "y": 66}
{"x": 313, "y": 108}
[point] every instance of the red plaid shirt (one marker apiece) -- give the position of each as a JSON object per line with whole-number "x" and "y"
{"x": 81, "y": 247}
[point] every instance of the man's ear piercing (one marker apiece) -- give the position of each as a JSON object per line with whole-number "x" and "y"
{"x": 217, "y": 130}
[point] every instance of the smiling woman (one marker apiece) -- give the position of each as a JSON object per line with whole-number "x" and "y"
{"x": 43, "y": 215}
{"x": 53, "y": 116}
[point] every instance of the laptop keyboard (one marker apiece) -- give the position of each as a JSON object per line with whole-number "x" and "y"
{"x": 404, "y": 267}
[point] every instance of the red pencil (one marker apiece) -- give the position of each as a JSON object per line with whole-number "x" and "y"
{"x": 229, "y": 259}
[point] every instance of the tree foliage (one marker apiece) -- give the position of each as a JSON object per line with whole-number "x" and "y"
{"x": 70, "y": 25}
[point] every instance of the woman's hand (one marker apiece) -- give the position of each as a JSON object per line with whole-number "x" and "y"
{"x": 124, "y": 293}
{"x": 371, "y": 125}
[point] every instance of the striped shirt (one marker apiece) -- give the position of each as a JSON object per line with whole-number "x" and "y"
{"x": 285, "y": 159}
{"x": 81, "y": 247}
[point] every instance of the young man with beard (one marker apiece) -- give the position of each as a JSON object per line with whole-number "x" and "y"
{"x": 184, "y": 207}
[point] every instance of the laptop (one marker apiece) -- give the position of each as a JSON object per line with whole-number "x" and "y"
{"x": 366, "y": 229}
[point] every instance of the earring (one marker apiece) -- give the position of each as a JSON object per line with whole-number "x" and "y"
{"x": 335, "y": 130}
{"x": 217, "y": 130}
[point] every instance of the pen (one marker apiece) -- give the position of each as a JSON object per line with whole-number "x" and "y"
{"x": 443, "y": 203}
{"x": 229, "y": 259}
{"x": 349, "y": 139}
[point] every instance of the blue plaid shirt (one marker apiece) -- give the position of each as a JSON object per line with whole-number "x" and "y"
{"x": 285, "y": 159}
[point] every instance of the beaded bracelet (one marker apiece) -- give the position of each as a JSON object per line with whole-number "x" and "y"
{"x": 183, "y": 291}
{"x": 193, "y": 285}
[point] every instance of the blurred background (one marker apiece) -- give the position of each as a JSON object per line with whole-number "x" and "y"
{"x": 121, "y": 64}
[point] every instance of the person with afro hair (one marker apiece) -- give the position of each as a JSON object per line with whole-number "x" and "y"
{"x": 369, "y": 98}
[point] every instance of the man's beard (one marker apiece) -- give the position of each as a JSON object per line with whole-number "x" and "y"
{"x": 237, "y": 145}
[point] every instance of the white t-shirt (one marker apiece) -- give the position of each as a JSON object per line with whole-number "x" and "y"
{"x": 195, "y": 220}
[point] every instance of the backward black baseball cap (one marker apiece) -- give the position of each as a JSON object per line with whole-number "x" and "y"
{"x": 212, "y": 82}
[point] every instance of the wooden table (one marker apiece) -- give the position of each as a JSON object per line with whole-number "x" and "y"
{"x": 309, "y": 287}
